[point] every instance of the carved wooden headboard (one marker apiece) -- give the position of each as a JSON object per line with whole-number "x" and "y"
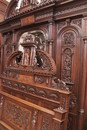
{"x": 32, "y": 97}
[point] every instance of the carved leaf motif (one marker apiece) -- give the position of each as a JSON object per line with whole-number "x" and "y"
{"x": 67, "y": 65}
{"x": 69, "y": 38}
{"x": 35, "y": 116}
{"x": 8, "y": 48}
{"x": 17, "y": 115}
{"x": 45, "y": 124}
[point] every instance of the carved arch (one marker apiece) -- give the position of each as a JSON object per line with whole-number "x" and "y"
{"x": 47, "y": 66}
{"x": 74, "y": 28}
{"x": 42, "y": 29}
{"x": 10, "y": 8}
{"x": 68, "y": 35}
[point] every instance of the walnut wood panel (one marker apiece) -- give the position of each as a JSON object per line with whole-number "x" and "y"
{"x": 58, "y": 38}
{"x": 20, "y": 114}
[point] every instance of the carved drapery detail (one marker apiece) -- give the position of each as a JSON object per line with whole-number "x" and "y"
{"x": 46, "y": 124}
{"x": 67, "y": 65}
{"x": 69, "y": 39}
{"x": 17, "y": 115}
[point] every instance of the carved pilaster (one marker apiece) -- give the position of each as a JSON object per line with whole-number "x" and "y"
{"x": 14, "y": 38}
{"x": 83, "y": 88}
{"x": 50, "y": 44}
{"x": 51, "y": 36}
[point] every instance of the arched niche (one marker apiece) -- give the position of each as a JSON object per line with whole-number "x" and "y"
{"x": 38, "y": 36}
{"x": 68, "y": 52}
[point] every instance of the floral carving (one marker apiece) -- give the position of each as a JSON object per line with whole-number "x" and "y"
{"x": 35, "y": 116}
{"x": 29, "y": 89}
{"x": 68, "y": 38}
{"x": 40, "y": 79}
{"x": 45, "y": 124}
{"x": 67, "y": 65}
{"x": 17, "y": 115}
{"x": 9, "y": 47}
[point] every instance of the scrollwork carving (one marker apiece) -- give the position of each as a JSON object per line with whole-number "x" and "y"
{"x": 69, "y": 38}
{"x": 17, "y": 115}
{"x": 67, "y": 65}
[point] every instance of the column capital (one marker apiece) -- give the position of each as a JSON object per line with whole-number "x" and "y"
{"x": 85, "y": 40}
{"x": 50, "y": 41}
{"x": 81, "y": 111}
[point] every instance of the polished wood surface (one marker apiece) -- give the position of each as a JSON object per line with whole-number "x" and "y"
{"x": 44, "y": 42}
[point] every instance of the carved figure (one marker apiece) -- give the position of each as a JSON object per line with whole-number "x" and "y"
{"x": 26, "y": 57}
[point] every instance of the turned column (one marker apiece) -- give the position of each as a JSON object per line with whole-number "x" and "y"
{"x": 83, "y": 88}
{"x": 13, "y": 40}
{"x": 51, "y": 37}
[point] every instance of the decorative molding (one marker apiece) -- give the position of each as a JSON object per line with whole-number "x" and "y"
{"x": 45, "y": 15}
{"x": 72, "y": 8}
{"x": 14, "y": 85}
